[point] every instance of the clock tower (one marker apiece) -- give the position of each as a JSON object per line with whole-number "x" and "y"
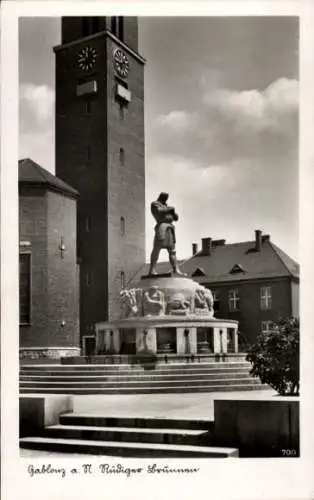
{"x": 100, "y": 152}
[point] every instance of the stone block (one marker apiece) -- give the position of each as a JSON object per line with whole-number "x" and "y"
{"x": 265, "y": 427}
{"x": 39, "y": 411}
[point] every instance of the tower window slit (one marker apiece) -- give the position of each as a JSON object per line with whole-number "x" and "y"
{"x": 121, "y": 156}
{"x": 122, "y": 225}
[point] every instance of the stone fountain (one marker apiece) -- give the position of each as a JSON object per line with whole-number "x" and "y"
{"x": 168, "y": 314}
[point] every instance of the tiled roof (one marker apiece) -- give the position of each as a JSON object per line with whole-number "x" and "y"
{"x": 220, "y": 266}
{"x": 269, "y": 262}
{"x": 30, "y": 173}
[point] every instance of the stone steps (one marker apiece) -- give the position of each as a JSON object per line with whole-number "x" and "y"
{"x": 138, "y": 377}
{"x": 127, "y": 379}
{"x": 134, "y": 450}
{"x": 137, "y": 422}
{"x": 129, "y": 434}
{"x": 142, "y": 390}
{"x": 138, "y": 383}
{"x": 128, "y": 437}
{"x": 114, "y": 368}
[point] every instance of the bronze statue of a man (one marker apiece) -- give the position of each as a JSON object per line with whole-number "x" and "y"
{"x": 165, "y": 236}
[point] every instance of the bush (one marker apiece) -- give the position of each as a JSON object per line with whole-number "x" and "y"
{"x": 276, "y": 357}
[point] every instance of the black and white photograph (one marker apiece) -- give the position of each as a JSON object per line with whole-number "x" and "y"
{"x": 158, "y": 244}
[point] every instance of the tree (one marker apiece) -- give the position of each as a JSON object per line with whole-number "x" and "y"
{"x": 276, "y": 357}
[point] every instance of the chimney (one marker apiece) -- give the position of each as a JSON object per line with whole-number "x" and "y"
{"x": 265, "y": 237}
{"x": 258, "y": 240}
{"x": 219, "y": 243}
{"x": 194, "y": 248}
{"x": 206, "y": 246}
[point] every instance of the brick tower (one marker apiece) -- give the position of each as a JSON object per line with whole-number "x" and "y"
{"x": 100, "y": 152}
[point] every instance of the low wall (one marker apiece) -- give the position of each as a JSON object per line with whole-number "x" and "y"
{"x": 46, "y": 354}
{"x": 264, "y": 427}
{"x": 38, "y": 411}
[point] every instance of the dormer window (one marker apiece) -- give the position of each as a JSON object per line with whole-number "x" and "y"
{"x": 237, "y": 268}
{"x": 199, "y": 271}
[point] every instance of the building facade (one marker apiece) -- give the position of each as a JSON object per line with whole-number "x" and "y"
{"x": 254, "y": 282}
{"x": 100, "y": 152}
{"x": 49, "y": 272}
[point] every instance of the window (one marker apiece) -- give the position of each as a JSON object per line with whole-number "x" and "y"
{"x": 95, "y": 24}
{"x": 88, "y": 107}
{"x": 117, "y": 27}
{"x": 199, "y": 271}
{"x": 266, "y": 326}
{"x": 237, "y": 268}
{"x": 25, "y": 288}
{"x": 88, "y": 280}
{"x": 122, "y": 226}
{"x": 121, "y": 111}
{"x": 114, "y": 25}
{"x": 122, "y": 279}
{"x": 121, "y": 156}
{"x": 85, "y": 27}
{"x": 265, "y": 298}
{"x": 216, "y": 297}
{"x": 121, "y": 28}
{"x": 234, "y": 300}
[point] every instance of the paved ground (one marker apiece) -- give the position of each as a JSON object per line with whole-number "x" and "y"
{"x": 185, "y": 405}
{"x": 191, "y": 406}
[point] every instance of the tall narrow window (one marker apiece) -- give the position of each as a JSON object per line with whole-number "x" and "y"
{"x": 265, "y": 298}
{"x": 121, "y": 28}
{"x": 121, "y": 156}
{"x": 88, "y": 280}
{"x": 234, "y": 300}
{"x": 122, "y": 279}
{"x": 121, "y": 111}
{"x": 85, "y": 26}
{"x": 95, "y": 25}
{"x": 25, "y": 288}
{"x": 122, "y": 226}
{"x": 88, "y": 107}
{"x": 114, "y": 25}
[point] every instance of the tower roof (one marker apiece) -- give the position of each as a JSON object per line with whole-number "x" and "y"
{"x": 32, "y": 174}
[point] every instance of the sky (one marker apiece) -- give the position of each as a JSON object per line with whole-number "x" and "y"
{"x": 221, "y": 121}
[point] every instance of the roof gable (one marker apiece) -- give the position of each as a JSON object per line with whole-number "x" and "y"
{"x": 32, "y": 174}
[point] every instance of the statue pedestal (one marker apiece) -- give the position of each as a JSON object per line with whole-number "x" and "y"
{"x": 168, "y": 315}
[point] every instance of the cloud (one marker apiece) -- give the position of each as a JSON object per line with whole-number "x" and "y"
{"x": 176, "y": 120}
{"x": 39, "y": 147}
{"x": 217, "y": 200}
{"x": 258, "y": 110}
{"x": 227, "y": 124}
{"x": 36, "y": 123}
{"x": 38, "y": 102}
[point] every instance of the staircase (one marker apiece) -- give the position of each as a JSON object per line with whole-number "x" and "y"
{"x": 129, "y": 437}
{"x": 127, "y": 379}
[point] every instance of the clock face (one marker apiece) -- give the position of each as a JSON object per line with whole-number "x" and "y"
{"x": 121, "y": 63}
{"x": 87, "y": 58}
